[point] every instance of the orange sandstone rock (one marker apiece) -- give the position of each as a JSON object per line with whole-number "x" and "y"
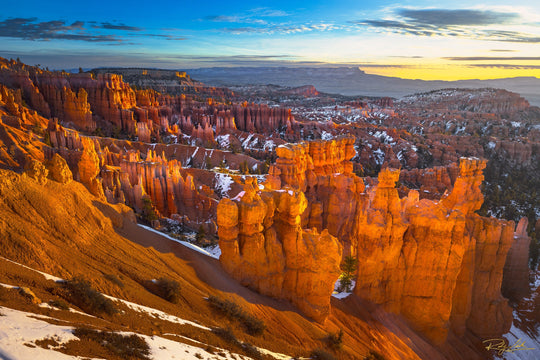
{"x": 264, "y": 247}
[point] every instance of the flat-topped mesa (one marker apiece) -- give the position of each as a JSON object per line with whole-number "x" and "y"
{"x": 428, "y": 260}
{"x": 264, "y": 247}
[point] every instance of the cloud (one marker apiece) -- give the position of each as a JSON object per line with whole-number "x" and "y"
{"x": 109, "y": 26}
{"x": 502, "y": 50}
{"x": 30, "y": 29}
{"x": 506, "y": 66}
{"x": 464, "y": 23}
{"x": 467, "y": 17}
{"x": 492, "y": 58}
{"x": 282, "y": 28}
{"x": 252, "y": 16}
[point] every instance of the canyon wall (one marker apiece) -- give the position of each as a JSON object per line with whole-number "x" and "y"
{"x": 264, "y": 247}
{"x": 435, "y": 262}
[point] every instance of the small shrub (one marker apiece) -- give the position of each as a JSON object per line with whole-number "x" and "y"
{"x": 373, "y": 355}
{"x": 114, "y": 279}
{"x": 227, "y": 335}
{"x": 335, "y": 340}
{"x": 124, "y": 346}
{"x": 319, "y": 354}
{"x": 84, "y": 296}
{"x": 60, "y": 304}
{"x": 251, "y": 351}
{"x": 165, "y": 288}
{"x": 148, "y": 213}
{"x": 233, "y": 311}
{"x": 199, "y": 356}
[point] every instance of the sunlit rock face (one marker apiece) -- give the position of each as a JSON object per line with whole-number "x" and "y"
{"x": 435, "y": 262}
{"x": 264, "y": 247}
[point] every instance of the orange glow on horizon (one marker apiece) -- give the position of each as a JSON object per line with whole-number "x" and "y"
{"x": 448, "y": 72}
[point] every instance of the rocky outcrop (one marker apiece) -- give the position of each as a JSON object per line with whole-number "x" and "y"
{"x": 59, "y": 170}
{"x": 428, "y": 260}
{"x": 89, "y": 167}
{"x": 264, "y": 247}
{"x": 424, "y": 259}
{"x": 35, "y": 169}
{"x": 515, "y": 284}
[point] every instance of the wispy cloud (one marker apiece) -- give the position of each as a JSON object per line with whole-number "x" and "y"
{"x": 109, "y": 26}
{"x": 492, "y": 58}
{"x": 30, "y": 29}
{"x": 467, "y": 17}
{"x": 506, "y": 66}
{"x": 253, "y": 16}
{"x": 476, "y": 24}
{"x": 283, "y": 28}
{"x": 104, "y": 32}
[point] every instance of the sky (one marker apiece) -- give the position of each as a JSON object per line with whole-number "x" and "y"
{"x": 444, "y": 40}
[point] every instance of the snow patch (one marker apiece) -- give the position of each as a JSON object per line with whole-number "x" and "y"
{"x": 326, "y": 136}
{"x": 223, "y": 184}
{"x": 45, "y": 275}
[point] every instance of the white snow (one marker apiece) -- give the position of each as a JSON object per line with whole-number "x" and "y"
{"x": 185, "y": 243}
{"x": 326, "y": 136}
{"x": 19, "y": 328}
{"x": 45, "y": 275}
{"x": 379, "y": 156}
{"x": 239, "y": 196}
{"x": 246, "y": 144}
{"x": 214, "y": 250}
{"x": 344, "y": 294}
{"x": 223, "y": 184}
{"x": 269, "y": 145}
{"x": 528, "y": 347}
{"x": 224, "y": 141}
{"x": 156, "y": 313}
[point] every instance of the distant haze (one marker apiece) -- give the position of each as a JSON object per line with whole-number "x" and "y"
{"x": 353, "y": 81}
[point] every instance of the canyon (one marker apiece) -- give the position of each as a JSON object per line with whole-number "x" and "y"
{"x": 287, "y": 193}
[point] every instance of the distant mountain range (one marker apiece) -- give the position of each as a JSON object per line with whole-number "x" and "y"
{"x": 353, "y": 81}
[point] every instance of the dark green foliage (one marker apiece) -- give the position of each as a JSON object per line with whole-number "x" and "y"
{"x": 59, "y": 304}
{"x": 124, "y": 346}
{"x": 251, "y": 351}
{"x": 335, "y": 340}
{"x": 373, "y": 355}
{"x": 319, "y": 354}
{"x": 227, "y": 335}
{"x": 148, "y": 213}
{"x": 199, "y": 237}
{"x": 348, "y": 269}
{"x": 165, "y": 288}
{"x": 233, "y": 311}
{"x": 84, "y": 296}
{"x": 512, "y": 191}
{"x": 114, "y": 279}
{"x": 244, "y": 167}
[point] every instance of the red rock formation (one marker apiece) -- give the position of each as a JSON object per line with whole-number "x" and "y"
{"x": 428, "y": 260}
{"x": 263, "y": 246}
{"x": 89, "y": 167}
{"x": 515, "y": 284}
{"x": 59, "y": 170}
